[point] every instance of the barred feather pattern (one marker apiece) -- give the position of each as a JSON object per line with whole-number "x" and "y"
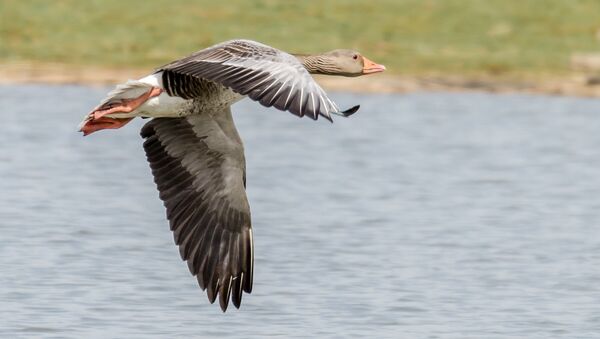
{"x": 184, "y": 86}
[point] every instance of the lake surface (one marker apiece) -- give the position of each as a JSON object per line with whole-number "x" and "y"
{"x": 423, "y": 216}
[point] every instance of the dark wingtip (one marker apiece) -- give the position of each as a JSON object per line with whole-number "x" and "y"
{"x": 223, "y": 305}
{"x": 350, "y": 111}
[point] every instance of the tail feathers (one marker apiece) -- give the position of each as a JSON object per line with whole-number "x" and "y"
{"x": 129, "y": 90}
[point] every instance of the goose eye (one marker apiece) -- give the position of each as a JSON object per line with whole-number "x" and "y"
{"x": 355, "y": 56}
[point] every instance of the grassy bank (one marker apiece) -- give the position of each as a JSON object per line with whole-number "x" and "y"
{"x": 504, "y": 38}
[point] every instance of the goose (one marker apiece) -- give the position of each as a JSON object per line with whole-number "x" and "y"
{"x": 196, "y": 154}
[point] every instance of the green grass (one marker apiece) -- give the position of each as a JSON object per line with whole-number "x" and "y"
{"x": 497, "y": 37}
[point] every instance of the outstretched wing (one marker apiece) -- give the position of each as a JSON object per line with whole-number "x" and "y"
{"x": 198, "y": 165}
{"x": 263, "y": 73}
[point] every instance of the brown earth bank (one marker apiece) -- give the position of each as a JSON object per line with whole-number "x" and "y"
{"x": 576, "y": 84}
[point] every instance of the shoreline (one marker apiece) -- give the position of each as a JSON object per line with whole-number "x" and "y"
{"x": 576, "y": 84}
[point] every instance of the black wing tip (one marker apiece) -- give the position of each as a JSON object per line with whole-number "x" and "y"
{"x": 224, "y": 301}
{"x": 350, "y": 111}
{"x": 147, "y": 131}
{"x": 224, "y": 306}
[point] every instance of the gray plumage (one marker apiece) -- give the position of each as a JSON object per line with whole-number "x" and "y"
{"x": 196, "y": 154}
{"x": 199, "y": 169}
{"x": 198, "y": 159}
{"x": 263, "y": 73}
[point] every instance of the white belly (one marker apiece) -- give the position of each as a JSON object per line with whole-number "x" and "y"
{"x": 165, "y": 106}
{"x": 160, "y": 106}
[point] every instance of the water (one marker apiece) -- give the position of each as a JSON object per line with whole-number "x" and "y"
{"x": 423, "y": 216}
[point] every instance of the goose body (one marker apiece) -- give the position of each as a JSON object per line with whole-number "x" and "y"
{"x": 196, "y": 154}
{"x": 167, "y": 106}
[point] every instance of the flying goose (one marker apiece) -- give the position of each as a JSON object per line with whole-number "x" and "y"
{"x": 196, "y": 154}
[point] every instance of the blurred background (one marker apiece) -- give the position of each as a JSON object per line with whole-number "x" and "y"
{"x": 519, "y": 43}
{"x": 461, "y": 201}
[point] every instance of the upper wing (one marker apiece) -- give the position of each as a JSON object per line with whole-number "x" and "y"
{"x": 199, "y": 168}
{"x": 263, "y": 73}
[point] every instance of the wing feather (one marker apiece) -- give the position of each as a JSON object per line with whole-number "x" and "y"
{"x": 199, "y": 170}
{"x": 247, "y": 67}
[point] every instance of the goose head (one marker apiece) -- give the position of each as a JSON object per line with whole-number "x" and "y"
{"x": 343, "y": 62}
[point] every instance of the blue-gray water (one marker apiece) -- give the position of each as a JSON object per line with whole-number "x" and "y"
{"x": 422, "y": 216}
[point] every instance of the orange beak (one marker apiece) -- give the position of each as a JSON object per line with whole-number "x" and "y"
{"x": 371, "y": 67}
